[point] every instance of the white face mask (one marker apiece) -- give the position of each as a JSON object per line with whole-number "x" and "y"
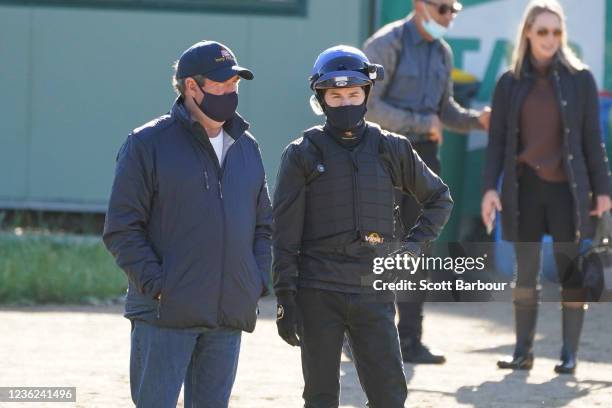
{"x": 435, "y": 30}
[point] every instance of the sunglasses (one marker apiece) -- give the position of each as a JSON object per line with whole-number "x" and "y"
{"x": 543, "y": 32}
{"x": 445, "y": 8}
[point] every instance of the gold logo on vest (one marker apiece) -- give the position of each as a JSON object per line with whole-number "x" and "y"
{"x": 374, "y": 238}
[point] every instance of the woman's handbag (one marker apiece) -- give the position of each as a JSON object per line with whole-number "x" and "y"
{"x": 595, "y": 264}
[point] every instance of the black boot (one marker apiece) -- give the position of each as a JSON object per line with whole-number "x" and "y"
{"x": 573, "y": 317}
{"x": 410, "y": 330}
{"x": 415, "y": 352}
{"x": 525, "y": 317}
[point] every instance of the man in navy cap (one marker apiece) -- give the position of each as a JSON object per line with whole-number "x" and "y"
{"x": 189, "y": 222}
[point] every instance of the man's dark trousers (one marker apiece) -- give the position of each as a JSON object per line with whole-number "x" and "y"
{"x": 410, "y": 309}
{"x": 370, "y": 326}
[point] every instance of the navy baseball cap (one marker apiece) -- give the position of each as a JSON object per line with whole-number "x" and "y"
{"x": 211, "y": 59}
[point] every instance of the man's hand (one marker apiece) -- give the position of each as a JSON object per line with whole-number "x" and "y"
{"x": 158, "y": 296}
{"x": 490, "y": 203}
{"x": 287, "y": 318}
{"x": 602, "y": 205}
{"x": 485, "y": 117}
{"x": 435, "y": 131}
{"x": 405, "y": 251}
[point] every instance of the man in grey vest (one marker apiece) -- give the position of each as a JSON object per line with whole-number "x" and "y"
{"x": 416, "y": 100}
{"x": 333, "y": 215}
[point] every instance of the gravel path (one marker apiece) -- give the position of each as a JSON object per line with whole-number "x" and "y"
{"x": 88, "y": 347}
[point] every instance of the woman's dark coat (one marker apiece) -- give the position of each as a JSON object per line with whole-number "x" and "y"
{"x": 584, "y": 155}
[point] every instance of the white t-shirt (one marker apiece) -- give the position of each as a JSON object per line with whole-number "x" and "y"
{"x": 217, "y": 144}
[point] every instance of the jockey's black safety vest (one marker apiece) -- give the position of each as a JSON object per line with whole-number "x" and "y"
{"x": 348, "y": 190}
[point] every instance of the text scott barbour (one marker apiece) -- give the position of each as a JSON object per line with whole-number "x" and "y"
{"x": 407, "y": 263}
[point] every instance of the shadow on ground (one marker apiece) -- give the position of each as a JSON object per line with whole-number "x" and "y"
{"x": 559, "y": 391}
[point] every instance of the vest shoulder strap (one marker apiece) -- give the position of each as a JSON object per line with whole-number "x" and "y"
{"x": 313, "y": 155}
{"x": 385, "y": 151}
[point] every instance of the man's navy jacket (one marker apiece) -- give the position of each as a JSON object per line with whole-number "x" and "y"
{"x": 181, "y": 224}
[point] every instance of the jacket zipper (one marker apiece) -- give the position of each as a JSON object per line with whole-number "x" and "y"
{"x": 356, "y": 195}
{"x": 221, "y": 170}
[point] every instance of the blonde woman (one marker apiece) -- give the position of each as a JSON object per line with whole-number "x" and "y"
{"x": 545, "y": 139}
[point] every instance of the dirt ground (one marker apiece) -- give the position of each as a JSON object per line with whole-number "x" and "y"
{"x": 88, "y": 347}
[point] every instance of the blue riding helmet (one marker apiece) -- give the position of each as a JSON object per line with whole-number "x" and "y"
{"x": 343, "y": 66}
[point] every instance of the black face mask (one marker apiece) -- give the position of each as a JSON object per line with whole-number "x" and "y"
{"x": 219, "y": 108}
{"x": 346, "y": 117}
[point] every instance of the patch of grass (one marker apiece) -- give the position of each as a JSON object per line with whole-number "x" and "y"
{"x": 53, "y": 268}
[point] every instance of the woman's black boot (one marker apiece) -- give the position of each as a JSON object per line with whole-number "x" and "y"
{"x": 573, "y": 318}
{"x": 525, "y": 317}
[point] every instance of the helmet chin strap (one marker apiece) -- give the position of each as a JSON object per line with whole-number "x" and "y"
{"x": 367, "y": 89}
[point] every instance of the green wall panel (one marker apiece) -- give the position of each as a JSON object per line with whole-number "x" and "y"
{"x": 16, "y": 86}
{"x": 91, "y": 89}
{"x": 608, "y": 50}
{"x": 79, "y": 79}
{"x": 278, "y": 7}
{"x": 83, "y": 78}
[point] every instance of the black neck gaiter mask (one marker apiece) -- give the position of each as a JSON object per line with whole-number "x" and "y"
{"x": 219, "y": 108}
{"x": 346, "y": 124}
{"x": 346, "y": 118}
{"x": 347, "y": 138}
